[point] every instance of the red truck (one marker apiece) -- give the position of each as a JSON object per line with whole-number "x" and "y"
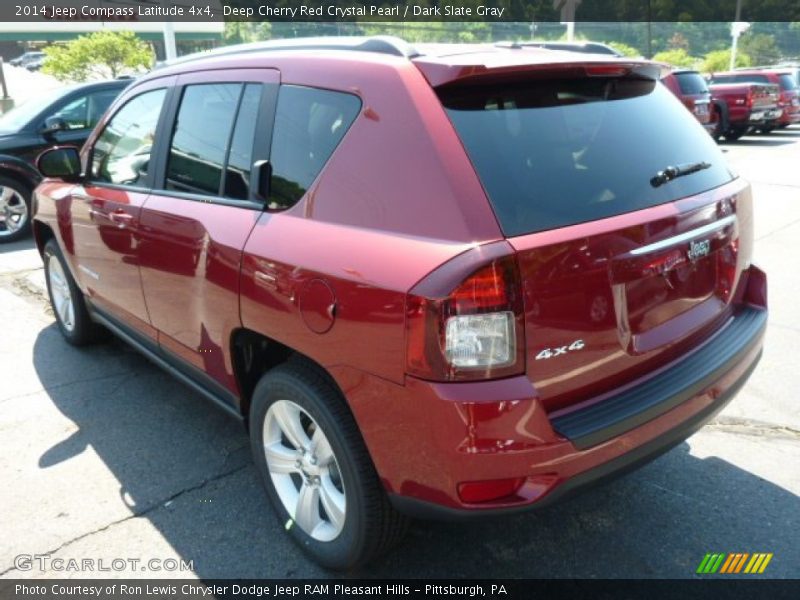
{"x": 784, "y": 78}
{"x": 744, "y": 106}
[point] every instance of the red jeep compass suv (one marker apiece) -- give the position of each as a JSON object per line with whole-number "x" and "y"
{"x": 453, "y": 281}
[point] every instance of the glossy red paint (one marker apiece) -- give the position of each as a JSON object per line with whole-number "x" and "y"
{"x": 104, "y": 223}
{"x": 399, "y": 213}
{"x": 583, "y": 283}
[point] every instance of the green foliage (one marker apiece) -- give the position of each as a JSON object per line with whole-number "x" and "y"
{"x": 720, "y": 60}
{"x": 677, "y": 58}
{"x": 761, "y": 48}
{"x": 240, "y": 32}
{"x": 624, "y": 49}
{"x": 97, "y": 55}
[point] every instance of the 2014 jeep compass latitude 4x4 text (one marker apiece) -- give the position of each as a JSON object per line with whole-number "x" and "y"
{"x": 454, "y": 281}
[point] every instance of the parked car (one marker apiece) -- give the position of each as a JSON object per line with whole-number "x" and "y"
{"x": 691, "y": 89}
{"x": 343, "y": 244}
{"x": 788, "y": 99}
{"x": 23, "y": 60}
{"x": 35, "y": 65}
{"x": 744, "y": 107}
{"x": 63, "y": 116}
{"x": 582, "y": 47}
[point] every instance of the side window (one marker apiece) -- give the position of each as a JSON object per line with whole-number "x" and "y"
{"x": 84, "y": 112}
{"x": 240, "y": 155}
{"x": 200, "y": 137}
{"x": 74, "y": 113}
{"x": 121, "y": 154}
{"x": 309, "y": 124}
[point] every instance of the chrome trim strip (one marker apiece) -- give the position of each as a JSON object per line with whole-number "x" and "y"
{"x": 685, "y": 237}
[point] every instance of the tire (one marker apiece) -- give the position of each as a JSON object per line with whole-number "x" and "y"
{"x": 66, "y": 298}
{"x": 765, "y": 130}
{"x": 716, "y": 133}
{"x": 368, "y": 526}
{"x": 734, "y": 133}
{"x": 15, "y": 210}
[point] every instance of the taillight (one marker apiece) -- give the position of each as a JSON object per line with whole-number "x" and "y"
{"x": 750, "y": 98}
{"x": 469, "y": 329}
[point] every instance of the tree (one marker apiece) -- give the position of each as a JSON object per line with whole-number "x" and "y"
{"x": 678, "y": 41}
{"x": 677, "y": 58}
{"x": 720, "y": 60}
{"x": 761, "y": 48}
{"x": 242, "y": 32}
{"x": 97, "y": 55}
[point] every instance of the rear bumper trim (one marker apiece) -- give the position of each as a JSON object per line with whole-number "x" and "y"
{"x": 609, "y": 418}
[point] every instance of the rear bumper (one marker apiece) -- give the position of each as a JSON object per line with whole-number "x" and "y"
{"x": 426, "y": 438}
{"x": 567, "y": 453}
{"x": 763, "y": 116}
{"x": 587, "y": 479}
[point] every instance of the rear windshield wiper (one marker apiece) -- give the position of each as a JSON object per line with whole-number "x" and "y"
{"x": 673, "y": 172}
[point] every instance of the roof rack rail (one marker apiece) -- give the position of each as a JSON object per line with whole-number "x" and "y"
{"x": 381, "y": 44}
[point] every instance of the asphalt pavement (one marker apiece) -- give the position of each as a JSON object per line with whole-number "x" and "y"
{"x": 103, "y": 456}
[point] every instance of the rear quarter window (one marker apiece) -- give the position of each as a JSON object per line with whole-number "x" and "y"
{"x": 555, "y": 153}
{"x": 309, "y": 124}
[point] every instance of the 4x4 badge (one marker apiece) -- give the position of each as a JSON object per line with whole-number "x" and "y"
{"x": 698, "y": 249}
{"x": 558, "y": 351}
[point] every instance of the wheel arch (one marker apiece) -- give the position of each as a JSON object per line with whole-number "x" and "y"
{"x": 19, "y": 170}
{"x": 42, "y": 233}
{"x": 254, "y": 354}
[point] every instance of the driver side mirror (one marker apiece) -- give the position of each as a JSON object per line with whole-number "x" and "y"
{"x": 60, "y": 162}
{"x": 53, "y": 125}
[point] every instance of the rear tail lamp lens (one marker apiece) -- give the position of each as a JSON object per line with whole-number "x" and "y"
{"x": 475, "y": 330}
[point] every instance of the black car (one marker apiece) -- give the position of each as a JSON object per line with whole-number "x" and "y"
{"x": 65, "y": 116}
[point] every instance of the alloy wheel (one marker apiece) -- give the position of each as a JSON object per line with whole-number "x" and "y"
{"x": 304, "y": 471}
{"x": 60, "y": 293}
{"x": 13, "y": 211}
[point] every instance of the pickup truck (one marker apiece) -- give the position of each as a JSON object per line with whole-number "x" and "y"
{"x": 785, "y": 78}
{"x": 743, "y": 107}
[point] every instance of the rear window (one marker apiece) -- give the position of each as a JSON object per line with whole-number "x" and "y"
{"x": 691, "y": 83}
{"x": 787, "y": 82}
{"x": 740, "y": 79}
{"x": 560, "y": 152}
